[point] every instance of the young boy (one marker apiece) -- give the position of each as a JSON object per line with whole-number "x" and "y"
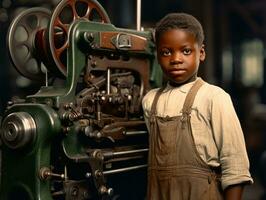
{"x": 197, "y": 148}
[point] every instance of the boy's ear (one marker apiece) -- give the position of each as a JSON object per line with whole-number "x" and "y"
{"x": 202, "y": 53}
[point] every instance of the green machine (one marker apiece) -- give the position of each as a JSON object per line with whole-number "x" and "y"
{"x": 82, "y": 135}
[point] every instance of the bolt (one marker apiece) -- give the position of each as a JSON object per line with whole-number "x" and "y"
{"x": 89, "y": 37}
{"x": 33, "y": 100}
{"x": 10, "y": 103}
{"x": 103, "y": 98}
{"x": 99, "y": 135}
{"x": 85, "y": 194}
{"x": 49, "y": 102}
{"x": 129, "y": 97}
{"x": 98, "y": 173}
{"x": 66, "y": 129}
{"x": 93, "y": 63}
{"x": 71, "y": 116}
{"x": 88, "y": 175}
{"x": 104, "y": 190}
{"x": 74, "y": 191}
{"x": 68, "y": 105}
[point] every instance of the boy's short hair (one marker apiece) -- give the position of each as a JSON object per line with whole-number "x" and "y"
{"x": 181, "y": 21}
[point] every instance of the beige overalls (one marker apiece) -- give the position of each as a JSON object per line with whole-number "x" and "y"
{"x": 176, "y": 171}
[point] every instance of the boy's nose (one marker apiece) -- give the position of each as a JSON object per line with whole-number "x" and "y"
{"x": 176, "y": 58}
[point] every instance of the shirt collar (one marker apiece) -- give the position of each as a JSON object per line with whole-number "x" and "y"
{"x": 182, "y": 88}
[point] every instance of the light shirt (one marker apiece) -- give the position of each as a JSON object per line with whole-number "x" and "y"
{"x": 215, "y": 127}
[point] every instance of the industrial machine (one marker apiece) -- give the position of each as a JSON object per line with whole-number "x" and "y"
{"x": 83, "y": 137}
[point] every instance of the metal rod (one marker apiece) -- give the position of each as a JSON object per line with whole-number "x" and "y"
{"x": 46, "y": 77}
{"x": 129, "y": 152}
{"x": 65, "y": 173}
{"x": 136, "y": 132}
{"x": 138, "y": 15}
{"x": 108, "y": 81}
{"x": 115, "y": 171}
{"x": 44, "y": 69}
{"x": 122, "y": 153}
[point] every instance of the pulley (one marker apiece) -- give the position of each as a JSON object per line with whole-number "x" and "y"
{"x": 21, "y": 43}
{"x": 18, "y": 130}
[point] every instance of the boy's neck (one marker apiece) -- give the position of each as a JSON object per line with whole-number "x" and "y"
{"x": 174, "y": 84}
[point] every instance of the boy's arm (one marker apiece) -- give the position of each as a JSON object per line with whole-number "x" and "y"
{"x": 234, "y": 192}
{"x": 230, "y": 143}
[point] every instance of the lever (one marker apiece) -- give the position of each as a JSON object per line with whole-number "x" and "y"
{"x": 45, "y": 173}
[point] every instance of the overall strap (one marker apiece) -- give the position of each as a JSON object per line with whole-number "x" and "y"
{"x": 191, "y": 96}
{"x": 154, "y": 103}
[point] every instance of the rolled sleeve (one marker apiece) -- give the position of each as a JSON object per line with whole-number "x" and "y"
{"x": 230, "y": 141}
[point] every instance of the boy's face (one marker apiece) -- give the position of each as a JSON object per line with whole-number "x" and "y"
{"x": 179, "y": 55}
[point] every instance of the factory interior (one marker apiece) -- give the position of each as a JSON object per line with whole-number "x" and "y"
{"x": 235, "y": 44}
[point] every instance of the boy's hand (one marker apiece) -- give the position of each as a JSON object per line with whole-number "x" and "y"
{"x": 234, "y": 192}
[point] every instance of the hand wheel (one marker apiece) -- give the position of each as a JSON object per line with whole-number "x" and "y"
{"x": 65, "y": 13}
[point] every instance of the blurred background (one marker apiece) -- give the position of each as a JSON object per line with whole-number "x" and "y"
{"x": 235, "y": 33}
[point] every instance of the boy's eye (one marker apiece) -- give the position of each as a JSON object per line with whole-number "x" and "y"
{"x": 187, "y": 51}
{"x": 165, "y": 53}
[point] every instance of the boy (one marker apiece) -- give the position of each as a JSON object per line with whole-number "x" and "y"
{"x": 197, "y": 148}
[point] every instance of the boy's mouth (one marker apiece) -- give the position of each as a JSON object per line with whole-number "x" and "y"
{"x": 177, "y": 71}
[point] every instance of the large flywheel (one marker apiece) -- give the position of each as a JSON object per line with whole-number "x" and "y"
{"x": 21, "y": 42}
{"x": 67, "y": 12}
